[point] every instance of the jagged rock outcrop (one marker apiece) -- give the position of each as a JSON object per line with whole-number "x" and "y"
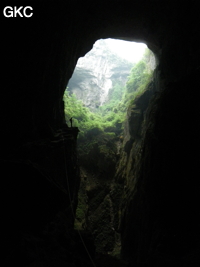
{"x": 99, "y": 195}
{"x": 96, "y": 73}
{"x": 156, "y": 194}
{"x": 132, "y": 134}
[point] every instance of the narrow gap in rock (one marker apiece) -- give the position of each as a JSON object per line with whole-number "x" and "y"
{"x": 106, "y": 98}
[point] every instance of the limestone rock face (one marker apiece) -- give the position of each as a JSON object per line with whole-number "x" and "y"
{"x": 99, "y": 195}
{"x": 150, "y": 189}
{"x": 132, "y": 136}
{"x": 96, "y": 73}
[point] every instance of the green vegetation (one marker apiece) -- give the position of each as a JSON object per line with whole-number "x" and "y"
{"x": 106, "y": 119}
{"x": 110, "y": 117}
{"x": 99, "y": 144}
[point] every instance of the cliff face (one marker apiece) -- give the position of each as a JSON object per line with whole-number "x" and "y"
{"x": 154, "y": 170}
{"x": 96, "y": 73}
{"x": 102, "y": 189}
{"x": 99, "y": 195}
{"x": 132, "y": 135}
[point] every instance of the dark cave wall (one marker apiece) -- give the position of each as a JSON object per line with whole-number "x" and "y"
{"x": 49, "y": 44}
{"x": 39, "y": 52}
{"x": 160, "y": 224}
{"x": 162, "y": 212}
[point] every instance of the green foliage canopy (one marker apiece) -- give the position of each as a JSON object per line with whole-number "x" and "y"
{"x": 110, "y": 116}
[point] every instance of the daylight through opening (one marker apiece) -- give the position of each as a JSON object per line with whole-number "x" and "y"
{"x": 104, "y": 83}
{"x": 99, "y": 98}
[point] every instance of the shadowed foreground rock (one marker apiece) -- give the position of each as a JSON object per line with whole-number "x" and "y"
{"x": 160, "y": 213}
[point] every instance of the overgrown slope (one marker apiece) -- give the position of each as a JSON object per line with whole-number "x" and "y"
{"x": 100, "y": 144}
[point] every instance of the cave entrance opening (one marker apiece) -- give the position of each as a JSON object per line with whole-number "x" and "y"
{"x": 104, "y": 83}
{"x": 103, "y": 87}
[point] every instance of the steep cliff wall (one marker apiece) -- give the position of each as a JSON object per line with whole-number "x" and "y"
{"x": 158, "y": 219}
{"x": 100, "y": 196}
{"x": 96, "y": 73}
{"x": 97, "y": 210}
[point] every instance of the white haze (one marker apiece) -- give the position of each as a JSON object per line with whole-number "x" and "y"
{"x": 130, "y": 51}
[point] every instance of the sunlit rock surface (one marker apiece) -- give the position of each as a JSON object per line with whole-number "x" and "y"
{"x": 96, "y": 73}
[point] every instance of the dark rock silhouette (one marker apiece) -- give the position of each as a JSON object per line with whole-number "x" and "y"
{"x": 39, "y": 172}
